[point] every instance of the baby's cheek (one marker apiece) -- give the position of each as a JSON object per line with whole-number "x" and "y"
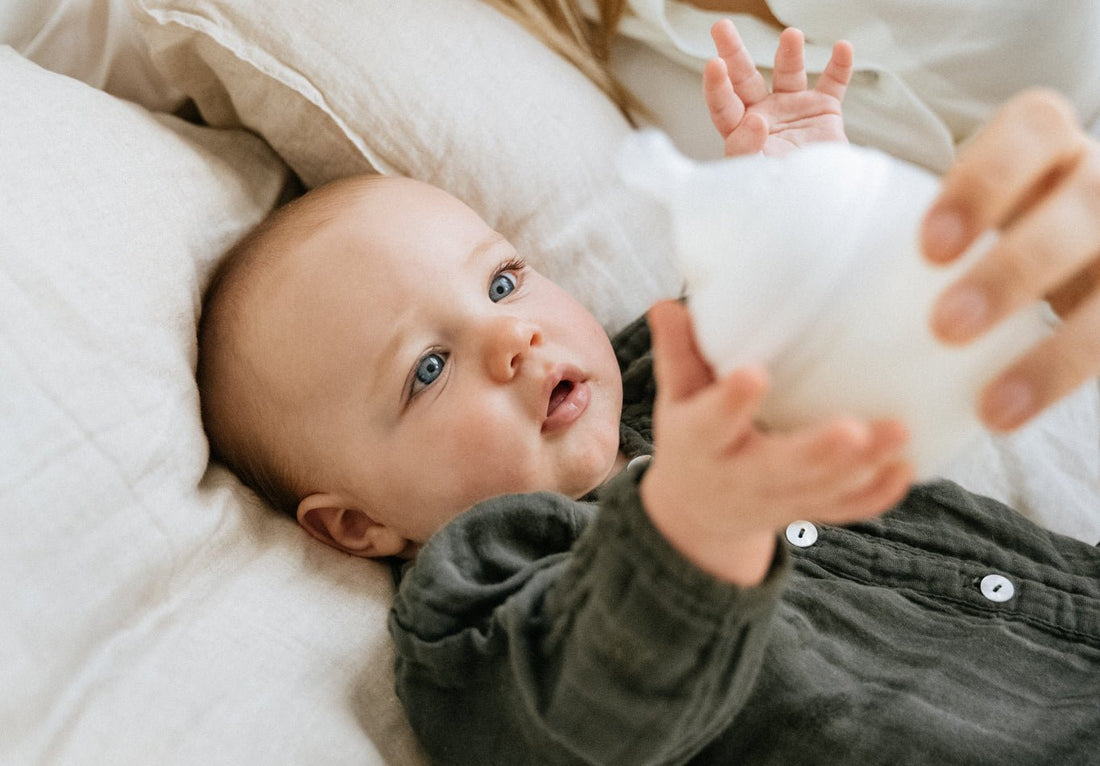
{"x": 491, "y": 461}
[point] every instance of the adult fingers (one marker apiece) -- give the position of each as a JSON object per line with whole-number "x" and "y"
{"x": 1072, "y": 292}
{"x": 747, "y": 81}
{"x": 1033, "y": 136}
{"x": 1048, "y": 372}
{"x": 1035, "y": 174}
{"x": 1031, "y": 260}
{"x": 789, "y": 73}
{"x": 1041, "y": 250}
{"x": 838, "y": 72}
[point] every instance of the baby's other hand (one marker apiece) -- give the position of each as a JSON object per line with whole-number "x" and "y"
{"x": 719, "y": 488}
{"x": 750, "y": 118}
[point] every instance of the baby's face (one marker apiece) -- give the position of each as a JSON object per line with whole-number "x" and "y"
{"x": 421, "y": 367}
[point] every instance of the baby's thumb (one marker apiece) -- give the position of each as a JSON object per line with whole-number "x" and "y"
{"x": 678, "y": 365}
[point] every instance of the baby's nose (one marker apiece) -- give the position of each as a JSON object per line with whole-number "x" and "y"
{"x": 508, "y": 342}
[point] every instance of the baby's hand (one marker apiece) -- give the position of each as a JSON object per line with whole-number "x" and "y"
{"x": 719, "y": 488}
{"x": 750, "y": 118}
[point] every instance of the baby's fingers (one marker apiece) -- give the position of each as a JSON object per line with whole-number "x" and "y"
{"x": 678, "y": 366}
{"x": 838, "y": 72}
{"x": 841, "y": 458}
{"x": 855, "y": 469}
{"x": 743, "y": 76}
{"x": 789, "y": 75}
{"x": 884, "y": 489}
{"x": 726, "y": 109}
{"x": 730, "y": 408}
{"x": 838, "y": 445}
{"x": 747, "y": 138}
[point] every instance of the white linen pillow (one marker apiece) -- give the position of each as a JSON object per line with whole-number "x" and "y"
{"x": 146, "y": 602}
{"x": 447, "y": 91}
{"x": 95, "y": 41}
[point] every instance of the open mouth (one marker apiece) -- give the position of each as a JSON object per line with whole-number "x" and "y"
{"x": 558, "y": 396}
{"x": 566, "y": 402}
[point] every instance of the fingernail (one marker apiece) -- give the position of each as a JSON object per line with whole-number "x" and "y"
{"x": 945, "y": 235}
{"x": 961, "y": 313}
{"x": 1008, "y": 404}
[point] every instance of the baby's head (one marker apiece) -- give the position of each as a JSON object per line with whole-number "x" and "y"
{"x": 375, "y": 359}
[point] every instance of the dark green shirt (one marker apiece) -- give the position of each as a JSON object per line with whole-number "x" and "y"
{"x": 536, "y": 629}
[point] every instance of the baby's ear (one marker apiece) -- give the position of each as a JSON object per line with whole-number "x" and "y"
{"x": 348, "y": 529}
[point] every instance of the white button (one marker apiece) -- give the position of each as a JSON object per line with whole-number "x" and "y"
{"x": 802, "y": 533}
{"x": 639, "y": 462}
{"x": 997, "y": 588}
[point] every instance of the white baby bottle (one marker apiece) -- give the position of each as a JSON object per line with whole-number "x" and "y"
{"x": 809, "y": 265}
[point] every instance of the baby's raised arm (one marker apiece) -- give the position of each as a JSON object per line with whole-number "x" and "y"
{"x": 719, "y": 488}
{"x": 751, "y": 118}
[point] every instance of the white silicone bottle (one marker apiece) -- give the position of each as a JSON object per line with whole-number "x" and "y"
{"x": 809, "y": 264}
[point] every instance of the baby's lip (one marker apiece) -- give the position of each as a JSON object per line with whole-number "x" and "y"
{"x": 567, "y": 394}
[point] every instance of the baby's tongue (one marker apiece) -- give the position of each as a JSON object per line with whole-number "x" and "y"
{"x": 557, "y": 396}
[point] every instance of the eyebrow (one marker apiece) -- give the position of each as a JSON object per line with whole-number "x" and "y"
{"x": 485, "y": 245}
{"x": 380, "y": 380}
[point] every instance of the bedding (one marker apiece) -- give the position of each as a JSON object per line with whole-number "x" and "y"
{"x": 156, "y": 611}
{"x": 153, "y": 613}
{"x": 468, "y": 101}
{"x": 94, "y": 41}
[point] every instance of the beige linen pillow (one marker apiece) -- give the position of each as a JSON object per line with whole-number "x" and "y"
{"x": 95, "y": 41}
{"x": 446, "y": 91}
{"x": 152, "y": 611}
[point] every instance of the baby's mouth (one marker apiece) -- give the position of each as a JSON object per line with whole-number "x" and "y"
{"x": 566, "y": 402}
{"x": 558, "y": 395}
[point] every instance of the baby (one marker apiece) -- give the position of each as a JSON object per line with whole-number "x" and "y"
{"x": 378, "y": 326}
{"x": 376, "y": 360}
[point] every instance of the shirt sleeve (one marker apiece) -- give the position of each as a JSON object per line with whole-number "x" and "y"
{"x": 538, "y": 629}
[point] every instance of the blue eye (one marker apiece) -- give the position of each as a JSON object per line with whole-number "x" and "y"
{"x": 428, "y": 370}
{"x": 502, "y": 286}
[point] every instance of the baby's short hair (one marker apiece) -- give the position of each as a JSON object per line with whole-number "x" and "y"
{"x": 232, "y": 396}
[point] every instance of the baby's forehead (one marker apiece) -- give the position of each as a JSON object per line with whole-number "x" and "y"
{"x": 362, "y": 240}
{"x": 394, "y": 221}
{"x": 306, "y": 229}
{"x": 334, "y": 242}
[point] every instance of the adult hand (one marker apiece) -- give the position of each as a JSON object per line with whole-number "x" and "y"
{"x": 1033, "y": 174}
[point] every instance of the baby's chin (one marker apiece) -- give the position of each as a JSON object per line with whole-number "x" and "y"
{"x": 599, "y": 473}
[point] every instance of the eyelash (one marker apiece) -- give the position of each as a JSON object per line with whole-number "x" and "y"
{"x": 515, "y": 265}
